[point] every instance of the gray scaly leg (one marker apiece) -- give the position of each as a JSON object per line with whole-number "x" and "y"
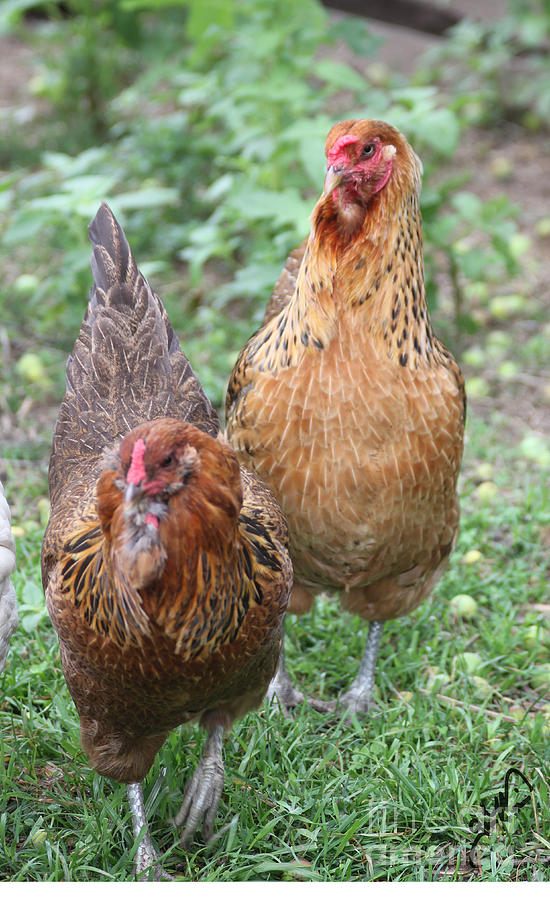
{"x": 358, "y": 698}
{"x": 202, "y": 794}
{"x": 146, "y": 855}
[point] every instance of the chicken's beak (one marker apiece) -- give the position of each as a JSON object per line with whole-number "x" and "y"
{"x": 131, "y": 491}
{"x": 335, "y": 175}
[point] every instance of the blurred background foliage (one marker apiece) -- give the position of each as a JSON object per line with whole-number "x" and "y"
{"x": 203, "y": 124}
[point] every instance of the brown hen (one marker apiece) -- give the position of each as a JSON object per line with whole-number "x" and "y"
{"x": 165, "y": 565}
{"x": 348, "y": 406}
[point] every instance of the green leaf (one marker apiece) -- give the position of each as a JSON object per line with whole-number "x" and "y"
{"x": 357, "y": 36}
{"x": 207, "y": 13}
{"x": 468, "y": 205}
{"x": 281, "y": 207}
{"x": 150, "y": 197}
{"x": 30, "y": 621}
{"x": 12, "y": 12}
{"x": 70, "y": 166}
{"x": 339, "y": 75}
{"x": 255, "y": 280}
{"x": 32, "y": 596}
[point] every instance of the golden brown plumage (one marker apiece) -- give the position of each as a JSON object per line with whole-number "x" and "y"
{"x": 165, "y": 565}
{"x": 347, "y": 405}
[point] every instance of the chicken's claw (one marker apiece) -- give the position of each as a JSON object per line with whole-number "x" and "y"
{"x": 357, "y": 703}
{"x": 203, "y": 793}
{"x": 146, "y": 858}
{"x": 282, "y": 690}
{"x": 323, "y": 706}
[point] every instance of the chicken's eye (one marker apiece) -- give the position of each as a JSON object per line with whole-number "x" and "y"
{"x": 166, "y": 461}
{"x": 368, "y": 151}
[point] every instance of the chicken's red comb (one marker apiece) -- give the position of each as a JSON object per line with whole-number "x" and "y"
{"x": 136, "y": 472}
{"x": 335, "y": 154}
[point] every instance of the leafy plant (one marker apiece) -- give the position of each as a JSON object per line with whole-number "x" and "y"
{"x": 499, "y": 69}
{"x": 214, "y": 157}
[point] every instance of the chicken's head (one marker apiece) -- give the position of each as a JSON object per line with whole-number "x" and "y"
{"x": 172, "y": 484}
{"x": 363, "y": 157}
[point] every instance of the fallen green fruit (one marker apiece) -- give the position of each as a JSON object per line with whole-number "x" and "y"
{"x": 464, "y": 605}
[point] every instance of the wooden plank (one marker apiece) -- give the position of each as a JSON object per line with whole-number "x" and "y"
{"x": 419, "y": 15}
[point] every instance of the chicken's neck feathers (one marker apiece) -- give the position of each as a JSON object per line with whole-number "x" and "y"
{"x": 369, "y": 283}
{"x": 197, "y": 602}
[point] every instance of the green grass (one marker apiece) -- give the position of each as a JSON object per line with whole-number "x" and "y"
{"x": 396, "y": 796}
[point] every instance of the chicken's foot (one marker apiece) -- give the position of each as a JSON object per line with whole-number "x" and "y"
{"x": 358, "y": 699}
{"x": 146, "y": 855}
{"x": 202, "y": 794}
{"x": 281, "y": 688}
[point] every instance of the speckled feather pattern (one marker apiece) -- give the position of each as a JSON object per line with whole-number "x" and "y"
{"x": 201, "y": 640}
{"x": 352, "y": 411}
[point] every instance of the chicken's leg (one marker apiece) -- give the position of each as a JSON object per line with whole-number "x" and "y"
{"x": 358, "y": 698}
{"x": 146, "y": 855}
{"x": 202, "y": 794}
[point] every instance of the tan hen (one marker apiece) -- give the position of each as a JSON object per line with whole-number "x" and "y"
{"x": 348, "y": 406}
